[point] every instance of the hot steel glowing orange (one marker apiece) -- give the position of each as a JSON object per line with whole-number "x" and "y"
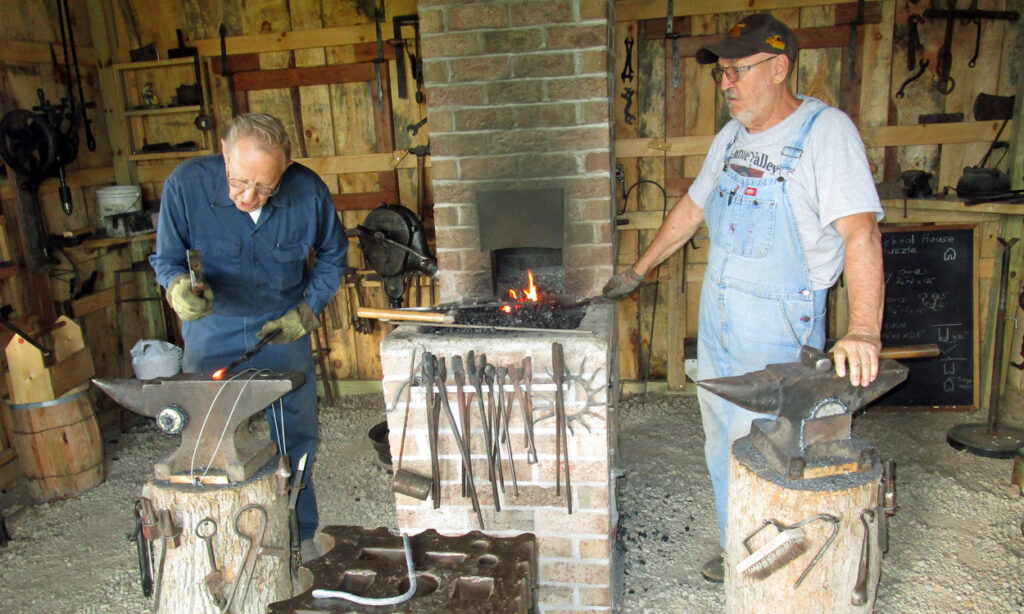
{"x": 219, "y": 374}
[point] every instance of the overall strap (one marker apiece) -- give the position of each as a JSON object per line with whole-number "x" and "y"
{"x": 791, "y": 153}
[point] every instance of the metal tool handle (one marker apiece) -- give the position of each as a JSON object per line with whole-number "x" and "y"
{"x": 860, "y": 589}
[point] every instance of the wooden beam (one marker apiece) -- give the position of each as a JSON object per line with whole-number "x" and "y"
{"x": 301, "y": 77}
{"x": 930, "y": 134}
{"x": 285, "y": 41}
{"x": 80, "y": 178}
{"x": 822, "y": 37}
{"x": 24, "y": 52}
{"x": 638, "y": 10}
{"x": 874, "y": 136}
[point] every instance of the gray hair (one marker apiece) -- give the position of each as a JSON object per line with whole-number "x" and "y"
{"x": 268, "y": 131}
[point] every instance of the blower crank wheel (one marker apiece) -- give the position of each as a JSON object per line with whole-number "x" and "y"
{"x": 27, "y": 143}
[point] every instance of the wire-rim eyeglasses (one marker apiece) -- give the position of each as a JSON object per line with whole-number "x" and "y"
{"x": 734, "y": 72}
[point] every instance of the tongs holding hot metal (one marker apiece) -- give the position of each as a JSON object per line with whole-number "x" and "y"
{"x": 256, "y": 348}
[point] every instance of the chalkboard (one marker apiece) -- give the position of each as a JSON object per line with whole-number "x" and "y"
{"x": 931, "y": 290}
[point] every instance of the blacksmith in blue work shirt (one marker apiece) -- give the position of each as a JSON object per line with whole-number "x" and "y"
{"x": 255, "y": 215}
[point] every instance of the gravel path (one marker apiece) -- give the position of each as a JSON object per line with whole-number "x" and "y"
{"x": 956, "y": 543}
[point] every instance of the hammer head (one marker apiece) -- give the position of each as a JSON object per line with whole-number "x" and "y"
{"x": 795, "y": 389}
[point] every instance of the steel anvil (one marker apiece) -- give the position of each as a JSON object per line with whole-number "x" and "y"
{"x": 211, "y": 417}
{"x": 815, "y": 407}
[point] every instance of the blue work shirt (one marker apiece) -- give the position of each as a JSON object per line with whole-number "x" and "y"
{"x": 256, "y": 269}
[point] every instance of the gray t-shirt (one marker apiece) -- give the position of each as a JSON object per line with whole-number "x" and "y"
{"x": 831, "y": 180}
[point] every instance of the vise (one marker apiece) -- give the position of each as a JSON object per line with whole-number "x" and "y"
{"x": 210, "y": 415}
{"x": 812, "y": 435}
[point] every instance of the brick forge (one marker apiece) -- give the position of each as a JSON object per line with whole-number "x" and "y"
{"x": 519, "y": 97}
{"x": 574, "y": 550}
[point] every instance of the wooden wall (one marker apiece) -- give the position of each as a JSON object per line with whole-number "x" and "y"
{"x": 316, "y": 56}
{"x": 307, "y": 62}
{"x": 859, "y": 74}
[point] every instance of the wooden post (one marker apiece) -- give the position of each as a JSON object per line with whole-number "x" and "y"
{"x": 183, "y": 588}
{"x": 757, "y": 493}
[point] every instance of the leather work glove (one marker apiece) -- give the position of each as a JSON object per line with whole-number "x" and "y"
{"x": 293, "y": 325}
{"x": 187, "y": 305}
{"x": 622, "y": 284}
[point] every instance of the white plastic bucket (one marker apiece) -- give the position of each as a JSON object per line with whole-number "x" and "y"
{"x": 152, "y": 358}
{"x": 117, "y": 199}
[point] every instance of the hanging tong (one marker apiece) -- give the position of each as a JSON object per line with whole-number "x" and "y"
{"x": 461, "y": 441}
{"x": 561, "y": 438}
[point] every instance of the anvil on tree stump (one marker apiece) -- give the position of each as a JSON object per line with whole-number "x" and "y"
{"x": 811, "y": 437}
{"x": 210, "y": 415}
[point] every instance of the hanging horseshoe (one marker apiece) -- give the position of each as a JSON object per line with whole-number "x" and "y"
{"x": 921, "y": 66}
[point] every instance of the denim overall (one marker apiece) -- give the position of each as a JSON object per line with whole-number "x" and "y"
{"x": 756, "y": 306}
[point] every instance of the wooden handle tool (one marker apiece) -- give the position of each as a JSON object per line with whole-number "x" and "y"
{"x": 406, "y": 315}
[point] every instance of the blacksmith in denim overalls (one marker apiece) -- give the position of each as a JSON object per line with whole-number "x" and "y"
{"x": 255, "y": 216}
{"x": 790, "y": 204}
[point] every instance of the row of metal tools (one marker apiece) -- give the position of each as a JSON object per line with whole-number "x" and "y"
{"x": 152, "y": 524}
{"x": 495, "y": 409}
{"x": 788, "y": 542}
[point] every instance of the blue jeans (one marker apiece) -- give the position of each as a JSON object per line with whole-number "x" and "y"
{"x": 214, "y": 341}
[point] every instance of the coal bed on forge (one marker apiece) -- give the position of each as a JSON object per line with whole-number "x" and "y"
{"x": 542, "y": 315}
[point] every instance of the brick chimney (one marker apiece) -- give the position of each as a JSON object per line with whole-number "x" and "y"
{"x": 519, "y": 98}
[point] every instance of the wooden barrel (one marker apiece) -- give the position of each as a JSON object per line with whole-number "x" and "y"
{"x": 59, "y": 444}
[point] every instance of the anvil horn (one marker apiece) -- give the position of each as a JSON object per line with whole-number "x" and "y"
{"x": 126, "y": 393}
{"x": 799, "y": 386}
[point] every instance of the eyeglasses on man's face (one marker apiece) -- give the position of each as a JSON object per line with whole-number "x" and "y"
{"x": 261, "y": 190}
{"x": 242, "y": 185}
{"x": 734, "y": 72}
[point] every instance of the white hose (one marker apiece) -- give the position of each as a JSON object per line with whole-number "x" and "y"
{"x": 320, "y": 593}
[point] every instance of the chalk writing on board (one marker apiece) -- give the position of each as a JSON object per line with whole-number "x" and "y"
{"x": 929, "y": 281}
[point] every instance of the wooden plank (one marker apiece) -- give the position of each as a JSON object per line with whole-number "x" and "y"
{"x": 29, "y": 52}
{"x": 651, "y": 114}
{"x": 930, "y": 134}
{"x": 874, "y": 136}
{"x": 286, "y": 41}
{"x": 876, "y": 77}
{"x": 296, "y": 77}
{"x": 634, "y": 10}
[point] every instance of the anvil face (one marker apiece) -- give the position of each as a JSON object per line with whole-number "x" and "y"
{"x": 814, "y": 408}
{"x": 210, "y": 415}
{"x": 794, "y": 389}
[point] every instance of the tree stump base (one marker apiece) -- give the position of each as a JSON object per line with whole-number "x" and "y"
{"x": 183, "y": 586}
{"x": 756, "y": 493}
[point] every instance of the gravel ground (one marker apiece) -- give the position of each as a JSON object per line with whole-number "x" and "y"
{"x": 956, "y": 543}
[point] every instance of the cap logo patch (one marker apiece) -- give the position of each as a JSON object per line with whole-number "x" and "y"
{"x": 775, "y": 41}
{"x": 737, "y": 30}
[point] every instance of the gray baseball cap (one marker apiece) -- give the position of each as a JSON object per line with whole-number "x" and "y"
{"x": 757, "y": 33}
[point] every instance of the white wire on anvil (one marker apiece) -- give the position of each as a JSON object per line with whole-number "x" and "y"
{"x": 277, "y": 411}
{"x": 192, "y": 464}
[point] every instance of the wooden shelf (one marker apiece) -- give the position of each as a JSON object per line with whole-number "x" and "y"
{"x": 109, "y": 242}
{"x": 163, "y": 155}
{"x": 160, "y": 123}
{"x": 947, "y": 204}
{"x": 163, "y": 111}
{"x": 153, "y": 64}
